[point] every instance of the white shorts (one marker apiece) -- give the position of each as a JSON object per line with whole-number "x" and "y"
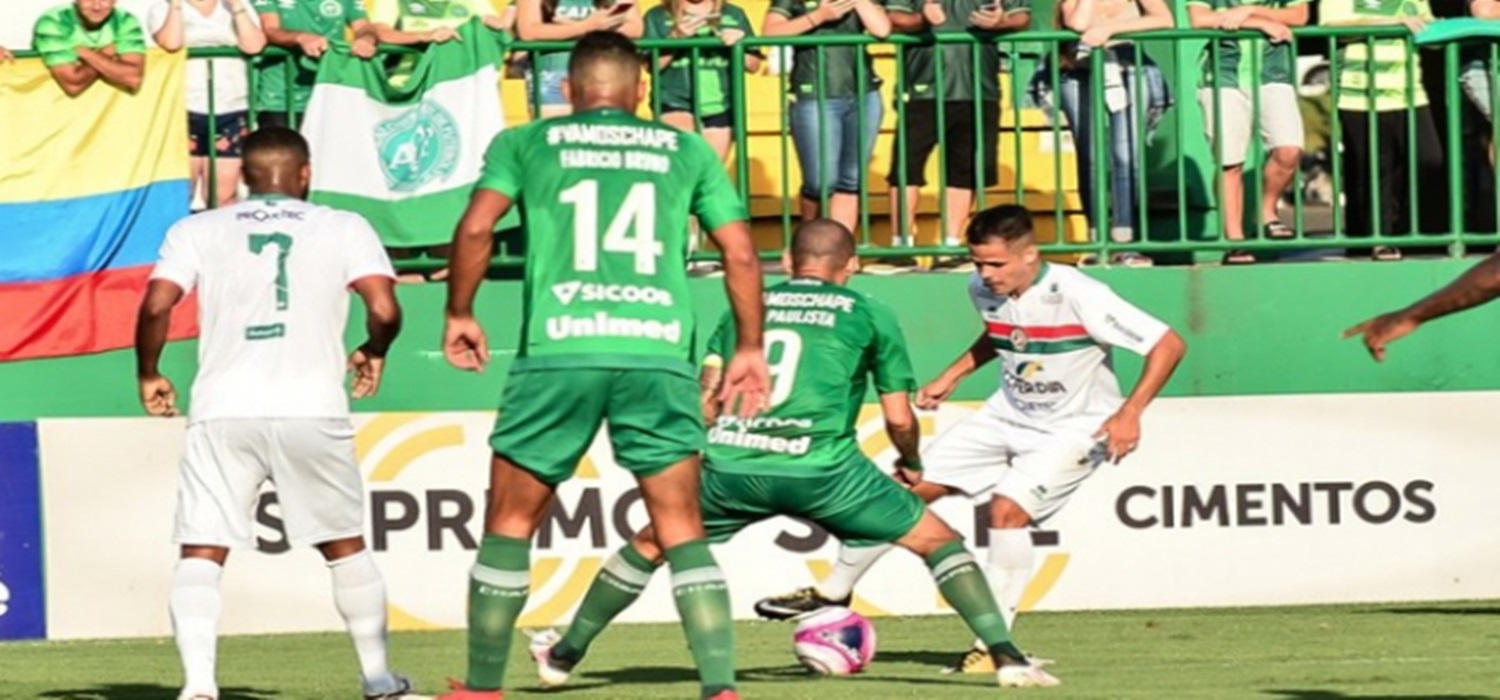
{"x": 310, "y": 462}
{"x": 1039, "y": 471}
{"x": 1280, "y": 119}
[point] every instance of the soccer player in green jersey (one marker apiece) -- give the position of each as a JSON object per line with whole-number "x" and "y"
{"x": 1480, "y": 285}
{"x": 607, "y": 336}
{"x": 802, "y": 457}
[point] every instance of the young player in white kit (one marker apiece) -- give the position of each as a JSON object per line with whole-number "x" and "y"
{"x": 1058, "y": 414}
{"x": 273, "y": 276}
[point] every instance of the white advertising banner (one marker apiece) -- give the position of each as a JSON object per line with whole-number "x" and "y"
{"x": 1230, "y": 501}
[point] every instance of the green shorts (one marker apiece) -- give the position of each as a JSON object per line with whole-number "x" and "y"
{"x": 548, "y": 419}
{"x": 857, "y": 504}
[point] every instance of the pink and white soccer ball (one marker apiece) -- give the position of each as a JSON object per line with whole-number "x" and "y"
{"x": 834, "y": 642}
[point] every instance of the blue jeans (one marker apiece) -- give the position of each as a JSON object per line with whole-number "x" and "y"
{"x": 847, "y": 149}
{"x": 1123, "y": 130}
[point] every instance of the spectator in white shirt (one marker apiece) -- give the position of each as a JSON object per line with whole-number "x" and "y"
{"x": 176, "y": 24}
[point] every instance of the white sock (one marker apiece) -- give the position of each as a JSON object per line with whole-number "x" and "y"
{"x": 195, "y": 605}
{"x": 852, "y": 564}
{"x": 1011, "y": 559}
{"x": 359, "y": 594}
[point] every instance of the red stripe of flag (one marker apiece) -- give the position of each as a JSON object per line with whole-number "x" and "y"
{"x": 1038, "y": 332}
{"x": 86, "y": 313}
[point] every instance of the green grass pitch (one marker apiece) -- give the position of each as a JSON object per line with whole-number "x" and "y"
{"x": 1447, "y": 651}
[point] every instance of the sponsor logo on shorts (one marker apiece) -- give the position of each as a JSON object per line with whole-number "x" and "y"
{"x": 731, "y": 431}
{"x": 601, "y": 324}
{"x": 567, "y": 292}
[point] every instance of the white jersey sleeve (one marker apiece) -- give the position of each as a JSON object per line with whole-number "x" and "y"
{"x": 1113, "y": 321}
{"x": 178, "y": 260}
{"x": 366, "y": 256}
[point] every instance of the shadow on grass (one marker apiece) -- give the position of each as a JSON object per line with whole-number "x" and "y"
{"x": 647, "y": 675}
{"x": 935, "y": 659}
{"x": 1335, "y": 695}
{"x": 1441, "y": 610}
{"x": 150, "y": 691}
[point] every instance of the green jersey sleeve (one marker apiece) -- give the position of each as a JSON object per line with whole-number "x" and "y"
{"x": 502, "y": 163}
{"x": 656, "y": 23}
{"x": 129, "y": 36}
{"x": 1012, "y": 7}
{"x": 716, "y": 203}
{"x": 891, "y": 363}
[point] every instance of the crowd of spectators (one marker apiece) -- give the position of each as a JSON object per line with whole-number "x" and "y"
{"x": 835, "y": 108}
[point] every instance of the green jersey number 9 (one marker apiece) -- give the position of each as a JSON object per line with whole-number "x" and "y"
{"x": 783, "y": 351}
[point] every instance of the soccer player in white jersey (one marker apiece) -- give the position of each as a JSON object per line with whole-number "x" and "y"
{"x": 1058, "y": 414}
{"x": 273, "y": 275}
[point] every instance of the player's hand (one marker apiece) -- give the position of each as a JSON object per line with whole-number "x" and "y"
{"x": 158, "y": 397}
{"x": 935, "y": 393}
{"x": 747, "y": 384}
{"x": 688, "y": 25}
{"x": 1122, "y": 432}
{"x": 1233, "y": 18}
{"x": 464, "y": 344}
{"x": 1278, "y": 33}
{"x": 366, "y": 368}
{"x": 1096, "y": 37}
{"x": 1383, "y": 330}
{"x": 932, "y": 11}
{"x": 906, "y": 475}
{"x": 312, "y": 45}
{"x": 364, "y": 47}
{"x": 833, "y": 11}
{"x": 442, "y": 34}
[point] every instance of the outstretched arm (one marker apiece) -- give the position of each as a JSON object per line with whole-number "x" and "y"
{"x": 1480, "y": 285}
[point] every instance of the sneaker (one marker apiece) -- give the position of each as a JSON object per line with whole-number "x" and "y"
{"x": 1029, "y": 676}
{"x": 975, "y": 660}
{"x": 550, "y": 672}
{"x": 457, "y": 691}
{"x": 403, "y": 691}
{"x": 795, "y": 604}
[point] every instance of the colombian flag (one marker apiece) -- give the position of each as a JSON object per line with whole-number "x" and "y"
{"x": 88, "y": 187}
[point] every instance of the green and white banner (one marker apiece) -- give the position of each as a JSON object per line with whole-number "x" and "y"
{"x": 406, "y": 157}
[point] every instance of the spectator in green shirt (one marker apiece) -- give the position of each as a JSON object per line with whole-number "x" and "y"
{"x": 968, "y": 158}
{"x": 88, "y": 41}
{"x": 567, "y": 20}
{"x": 687, "y": 95}
{"x": 835, "y": 116}
{"x": 1376, "y": 98}
{"x": 304, "y": 27}
{"x": 407, "y": 23}
{"x": 1234, "y": 100}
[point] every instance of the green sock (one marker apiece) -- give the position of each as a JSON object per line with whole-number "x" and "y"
{"x": 703, "y": 603}
{"x": 616, "y": 587}
{"x": 498, "y": 586}
{"x": 962, "y": 584}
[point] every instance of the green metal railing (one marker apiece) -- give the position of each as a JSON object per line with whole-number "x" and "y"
{"x": 1178, "y": 225}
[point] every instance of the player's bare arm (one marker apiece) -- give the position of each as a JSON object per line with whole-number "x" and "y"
{"x": 383, "y": 324}
{"x": 1123, "y": 429}
{"x": 906, "y": 436}
{"x": 710, "y": 383}
{"x": 979, "y": 354}
{"x": 1480, "y": 285}
{"x": 463, "y": 339}
{"x": 152, "y": 321}
{"x": 125, "y": 72}
{"x": 747, "y": 380}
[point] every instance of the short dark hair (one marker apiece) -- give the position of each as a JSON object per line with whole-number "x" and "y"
{"x": 275, "y": 138}
{"x": 598, "y": 47}
{"x": 822, "y": 239}
{"x": 1007, "y": 222}
{"x": 267, "y": 149}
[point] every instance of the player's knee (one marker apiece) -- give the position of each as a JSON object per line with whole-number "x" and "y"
{"x": 1007, "y": 514}
{"x": 644, "y": 543}
{"x": 929, "y": 535}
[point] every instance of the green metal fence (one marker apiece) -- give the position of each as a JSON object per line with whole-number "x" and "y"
{"x": 1166, "y": 222}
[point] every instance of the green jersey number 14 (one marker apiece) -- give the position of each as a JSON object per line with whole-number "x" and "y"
{"x": 632, "y": 231}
